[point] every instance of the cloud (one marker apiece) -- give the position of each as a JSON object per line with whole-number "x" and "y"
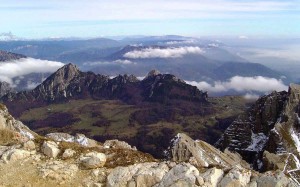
{"x": 180, "y": 42}
{"x": 289, "y": 52}
{"x": 21, "y": 67}
{"x": 163, "y": 53}
{"x": 124, "y": 62}
{"x": 242, "y": 84}
{"x": 243, "y": 37}
{"x": 250, "y": 96}
{"x": 31, "y": 85}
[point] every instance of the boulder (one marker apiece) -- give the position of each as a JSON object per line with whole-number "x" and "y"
{"x": 273, "y": 179}
{"x": 143, "y": 174}
{"x": 273, "y": 161}
{"x": 212, "y": 177}
{"x": 50, "y": 149}
{"x": 236, "y": 177}
{"x": 184, "y": 148}
{"x": 93, "y": 160}
{"x": 29, "y": 145}
{"x": 185, "y": 172}
{"x": 68, "y": 153}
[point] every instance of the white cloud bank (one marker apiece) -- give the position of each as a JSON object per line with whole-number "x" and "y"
{"x": 242, "y": 84}
{"x": 21, "y": 67}
{"x": 163, "y": 53}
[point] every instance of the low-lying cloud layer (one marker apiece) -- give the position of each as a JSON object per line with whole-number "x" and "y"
{"x": 242, "y": 84}
{"x": 163, "y": 53}
{"x": 17, "y": 68}
{"x": 122, "y": 62}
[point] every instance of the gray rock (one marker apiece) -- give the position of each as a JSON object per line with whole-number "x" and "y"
{"x": 50, "y": 149}
{"x": 15, "y": 154}
{"x": 186, "y": 173}
{"x": 93, "y": 160}
{"x": 143, "y": 174}
{"x": 68, "y": 153}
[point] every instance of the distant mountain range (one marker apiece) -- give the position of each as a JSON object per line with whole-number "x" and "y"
{"x": 199, "y": 60}
{"x": 7, "y": 56}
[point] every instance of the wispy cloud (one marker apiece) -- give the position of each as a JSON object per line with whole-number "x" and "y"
{"x": 114, "y": 14}
{"x": 242, "y": 84}
{"x": 163, "y": 53}
{"x": 17, "y": 68}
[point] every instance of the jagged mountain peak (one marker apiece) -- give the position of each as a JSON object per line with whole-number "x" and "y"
{"x": 152, "y": 73}
{"x": 271, "y": 125}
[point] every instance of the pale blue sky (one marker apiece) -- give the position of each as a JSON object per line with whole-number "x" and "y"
{"x": 93, "y": 18}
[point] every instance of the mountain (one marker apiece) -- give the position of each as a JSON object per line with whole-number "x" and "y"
{"x": 212, "y": 64}
{"x": 53, "y": 49}
{"x": 269, "y": 128}
{"x": 231, "y": 69}
{"x": 60, "y": 159}
{"x": 70, "y": 83}
{"x": 146, "y": 113}
{"x": 7, "y": 56}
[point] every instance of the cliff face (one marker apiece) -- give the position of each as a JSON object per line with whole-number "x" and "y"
{"x": 4, "y": 88}
{"x": 270, "y": 126}
{"x": 65, "y": 160}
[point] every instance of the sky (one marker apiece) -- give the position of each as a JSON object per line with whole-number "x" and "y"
{"x": 94, "y": 18}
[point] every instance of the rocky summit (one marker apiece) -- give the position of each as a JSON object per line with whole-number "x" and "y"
{"x": 267, "y": 135}
{"x": 60, "y": 159}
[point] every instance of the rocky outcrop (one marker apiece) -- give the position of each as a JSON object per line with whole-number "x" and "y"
{"x": 268, "y": 135}
{"x": 184, "y": 148}
{"x": 11, "y": 129}
{"x": 50, "y": 149}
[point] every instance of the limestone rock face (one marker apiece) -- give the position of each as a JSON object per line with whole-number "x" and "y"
{"x": 8, "y": 123}
{"x": 236, "y": 177}
{"x": 206, "y": 155}
{"x": 50, "y": 149}
{"x": 143, "y": 174}
{"x": 93, "y": 160}
{"x": 212, "y": 177}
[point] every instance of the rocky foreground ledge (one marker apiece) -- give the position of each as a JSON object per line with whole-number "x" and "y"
{"x": 60, "y": 159}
